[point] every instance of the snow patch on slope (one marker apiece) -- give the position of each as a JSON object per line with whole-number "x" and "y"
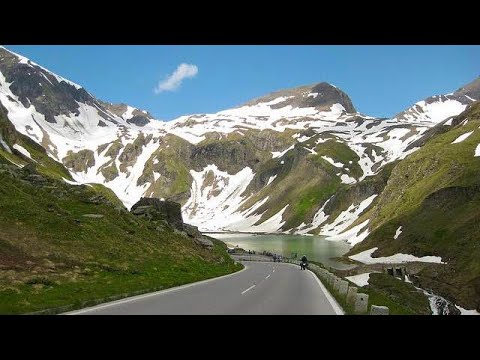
{"x": 360, "y": 280}
{"x": 462, "y": 137}
{"x": 216, "y": 199}
{"x": 278, "y": 154}
{"x": 264, "y": 109}
{"x": 270, "y": 225}
{"x": 434, "y": 112}
{"x": 346, "y": 218}
{"x": 22, "y": 150}
{"x": 346, "y": 179}
{"x": 477, "y": 150}
{"x": 213, "y": 205}
{"x": 354, "y": 235}
{"x": 318, "y": 219}
{"x": 271, "y": 179}
{"x": 125, "y": 184}
{"x": 5, "y": 145}
{"x": 331, "y": 161}
{"x": 128, "y": 114}
{"x": 397, "y": 233}
{"x": 366, "y": 258}
{"x": 260, "y": 116}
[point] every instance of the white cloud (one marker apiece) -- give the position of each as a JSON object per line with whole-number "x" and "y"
{"x": 173, "y": 81}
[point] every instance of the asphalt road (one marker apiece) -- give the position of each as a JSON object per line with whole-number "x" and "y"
{"x": 263, "y": 288}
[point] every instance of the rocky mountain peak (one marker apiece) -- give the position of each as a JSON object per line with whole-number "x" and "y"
{"x": 471, "y": 89}
{"x": 53, "y": 95}
{"x": 320, "y": 96}
{"x": 32, "y": 84}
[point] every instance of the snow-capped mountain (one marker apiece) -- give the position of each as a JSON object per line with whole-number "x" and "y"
{"x": 300, "y": 160}
{"x": 439, "y": 107}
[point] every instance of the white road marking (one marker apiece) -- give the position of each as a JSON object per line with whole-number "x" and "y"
{"x": 251, "y": 287}
{"x": 267, "y": 277}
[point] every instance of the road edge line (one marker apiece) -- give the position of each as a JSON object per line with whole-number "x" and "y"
{"x": 336, "y": 307}
{"x": 138, "y": 297}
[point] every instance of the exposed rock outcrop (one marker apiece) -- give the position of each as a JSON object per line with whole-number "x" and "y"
{"x": 197, "y": 236}
{"x": 156, "y": 209}
{"x": 169, "y": 213}
{"x": 80, "y": 161}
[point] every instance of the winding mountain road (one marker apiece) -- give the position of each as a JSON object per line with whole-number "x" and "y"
{"x": 262, "y": 288}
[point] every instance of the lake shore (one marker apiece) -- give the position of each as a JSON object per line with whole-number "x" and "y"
{"x": 316, "y": 248}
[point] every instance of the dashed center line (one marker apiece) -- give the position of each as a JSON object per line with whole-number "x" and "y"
{"x": 251, "y": 287}
{"x": 267, "y": 277}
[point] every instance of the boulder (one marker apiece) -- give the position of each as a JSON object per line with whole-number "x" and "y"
{"x": 198, "y": 237}
{"x": 204, "y": 241}
{"x": 168, "y": 213}
{"x": 379, "y": 310}
{"x": 155, "y": 209}
{"x": 191, "y": 230}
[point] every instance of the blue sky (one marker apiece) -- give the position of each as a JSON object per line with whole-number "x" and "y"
{"x": 380, "y": 80}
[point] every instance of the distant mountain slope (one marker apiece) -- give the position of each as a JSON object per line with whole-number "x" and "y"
{"x": 439, "y": 107}
{"x": 296, "y": 160}
{"x": 431, "y": 206}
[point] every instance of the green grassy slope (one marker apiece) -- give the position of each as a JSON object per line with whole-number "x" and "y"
{"x": 52, "y": 255}
{"x": 306, "y": 180}
{"x": 434, "y": 194}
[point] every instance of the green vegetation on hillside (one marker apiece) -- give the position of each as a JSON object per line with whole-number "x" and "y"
{"x": 171, "y": 162}
{"x": 400, "y": 297}
{"x": 339, "y": 152}
{"x": 64, "y": 245}
{"x": 52, "y": 255}
{"x": 434, "y": 194}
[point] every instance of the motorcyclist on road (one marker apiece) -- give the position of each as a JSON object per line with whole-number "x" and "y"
{"x": 304, "y": 262}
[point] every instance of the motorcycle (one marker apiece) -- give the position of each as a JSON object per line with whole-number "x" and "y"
{"x": 303, "y": 265}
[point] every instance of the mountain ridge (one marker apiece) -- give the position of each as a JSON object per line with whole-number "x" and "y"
{"x": 108, "y": 140}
